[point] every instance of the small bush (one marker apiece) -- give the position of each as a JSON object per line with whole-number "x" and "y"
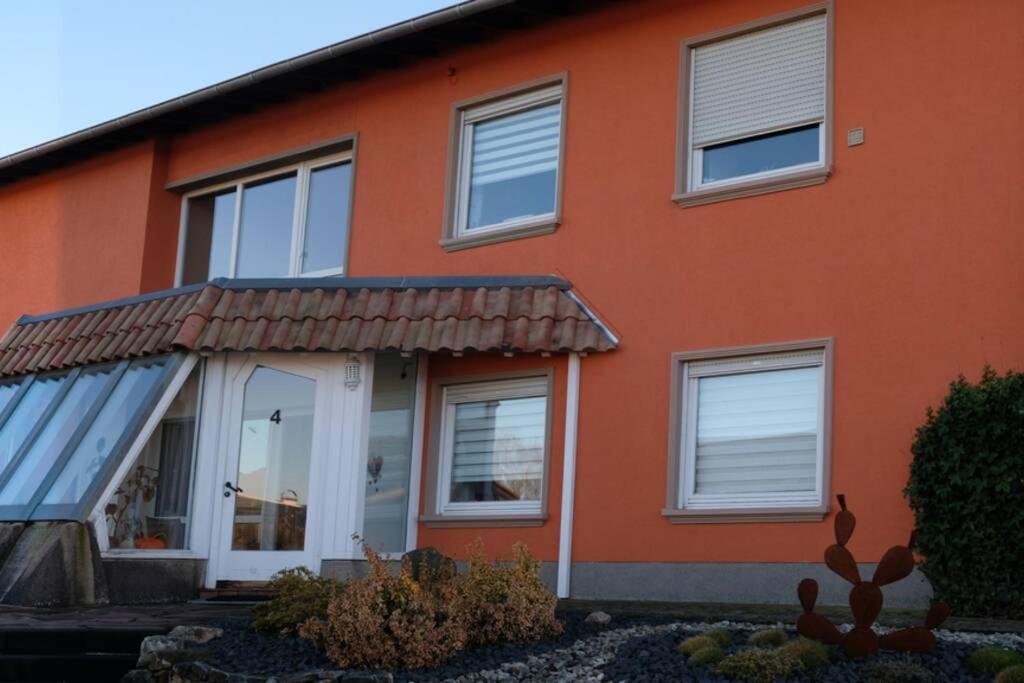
{"x": 759, "y": 665}
{"x": 505, "y": 603}
{"x": 904, "y": 671}
{"x": 299, "y": 595}
{"x": 385, "y": 621}
{"x": 706, "y": 656}
{"x": 694, "y": 644}
{"x": 1011, "y": 674}
{"x": 772, "y": 637}
{"x": 991, "y": 660}
{"x": 965, "y": 489}
{"x": 812, "y": 654}
{"x": 720, "y": 635}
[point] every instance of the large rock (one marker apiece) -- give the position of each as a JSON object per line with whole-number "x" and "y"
{"x": 51, "y": 563}
{"x": 196, "y": 634}
{"x": 429, "y": 566}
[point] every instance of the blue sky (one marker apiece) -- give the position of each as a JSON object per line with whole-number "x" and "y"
{"x": 69, "y": 64}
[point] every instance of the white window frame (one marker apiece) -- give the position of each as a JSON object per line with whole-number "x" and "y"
{"x": 697, "y": 154}
{"x": 468, "y": 118}
{"x": 747, "y": 361}
{"x": 302, "y": 172}
{"x": 689, "y": 189}
{"x": 453, "y": 395}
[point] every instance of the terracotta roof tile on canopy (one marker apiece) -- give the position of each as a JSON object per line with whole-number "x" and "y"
{"x": 456, "y": 314}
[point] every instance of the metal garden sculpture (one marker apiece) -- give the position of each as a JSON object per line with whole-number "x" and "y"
{"x": 865, "y": 599}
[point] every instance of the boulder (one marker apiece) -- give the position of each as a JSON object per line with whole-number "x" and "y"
{"x": 195, "y": 634}
{"x": 599, "y": 618}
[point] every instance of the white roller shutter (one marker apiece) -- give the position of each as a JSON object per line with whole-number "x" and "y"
{"x": 517, "y": 145}
{"x": 759, "y": 82}
{"x": 757, "y": 432}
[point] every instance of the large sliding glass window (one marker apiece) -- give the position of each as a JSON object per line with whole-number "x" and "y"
{"x": 62, "y": 435}
{"x": 290, "y": 222}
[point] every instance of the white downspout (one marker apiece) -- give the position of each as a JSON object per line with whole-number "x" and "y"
{"x": 572, "y": 405}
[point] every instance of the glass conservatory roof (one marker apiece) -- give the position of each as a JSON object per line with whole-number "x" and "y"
{"x": 63, "y": 434}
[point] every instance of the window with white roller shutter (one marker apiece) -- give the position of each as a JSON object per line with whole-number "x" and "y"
{"x": 753, "y": 431}
{"x": 758, "y": 104}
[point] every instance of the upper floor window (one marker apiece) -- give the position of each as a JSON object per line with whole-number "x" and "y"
{"x": 289, "y": 222}
{"x": 506, "y": 156}
{"x": 756, "y": 108}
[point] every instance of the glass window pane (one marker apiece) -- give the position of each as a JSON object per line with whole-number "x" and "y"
{"x": 8, "y": 389}
{"x": 265, "y": 232}
{"x": 757, "y": 432}
{"x": 762, "y": 153}
{"x": 21, "y": 421}
{"x": 208, "y": 237}
{"x": 151, "y": 507}
{"x": 113, "y": 420}
{"x": 498, "y": 450}
{"x": 47, "y": 447}
{"x": 273, "y": 462}
{"x": 327, "y": 218}
{"x": 390, "y": 452}
{"x": 514, "y": 166}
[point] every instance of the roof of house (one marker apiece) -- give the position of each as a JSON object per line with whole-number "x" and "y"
{"x": 529, "y": 314}
{"x": 430, "y": 35}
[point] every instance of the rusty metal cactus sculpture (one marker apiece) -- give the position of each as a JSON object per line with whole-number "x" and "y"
{"x": 865, "y": 599}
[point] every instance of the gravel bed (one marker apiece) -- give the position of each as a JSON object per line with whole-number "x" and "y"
{"x": 629, "y": 649}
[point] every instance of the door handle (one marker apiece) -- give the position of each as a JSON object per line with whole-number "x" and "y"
{"x": 228, "y": 485}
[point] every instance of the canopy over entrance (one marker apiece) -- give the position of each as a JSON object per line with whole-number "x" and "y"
{"x": 517, "y": 314}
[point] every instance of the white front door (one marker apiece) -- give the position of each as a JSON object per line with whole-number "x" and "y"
{"x": 272, "y": 491}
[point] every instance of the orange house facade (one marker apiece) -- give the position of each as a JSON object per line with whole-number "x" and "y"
{"x": 643, "y": 285}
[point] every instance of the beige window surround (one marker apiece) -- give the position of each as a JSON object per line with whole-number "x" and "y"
{"x": 683, "y": 194}
{"x": 433, "y": 515}
{"x": 451, "y": 239}
{"x": 675, "y": 510}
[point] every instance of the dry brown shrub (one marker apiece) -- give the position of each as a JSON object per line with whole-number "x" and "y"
{"x": 499, "y": 603}
{"x": 390, "y": 622}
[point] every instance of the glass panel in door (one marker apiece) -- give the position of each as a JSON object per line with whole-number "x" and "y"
{"x": 272, "y": 477}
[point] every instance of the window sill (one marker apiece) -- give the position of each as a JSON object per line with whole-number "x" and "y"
{"x": 482, "y": 521}
{"x": 740, "y": 515}
{"x": 542, "y": 226}
{"x": 750, "y": 188}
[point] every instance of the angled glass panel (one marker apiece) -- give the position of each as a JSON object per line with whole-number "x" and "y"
{"x": 151, "y": 506}
{"x": 8, "y": 389}
{"x": 50, "y": 442}
{"x": 120, "y": 414}
{"x": 34, "y": 404}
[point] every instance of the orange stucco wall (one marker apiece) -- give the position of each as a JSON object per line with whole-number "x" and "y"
{"x": 909, "y": 255}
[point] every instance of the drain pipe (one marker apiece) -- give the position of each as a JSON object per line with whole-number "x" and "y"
{"x": 572, "y": 405}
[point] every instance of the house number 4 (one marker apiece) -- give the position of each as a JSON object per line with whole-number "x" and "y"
{"x": 276, "y": 417}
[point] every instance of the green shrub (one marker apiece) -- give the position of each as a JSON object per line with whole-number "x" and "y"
{"x": 1011, "y": 674}
{"x": 812, "y": 654}
{"x": 385, "y": 621}
{"x": 720, "y": 635}
{"x": 965, "y": 489}
{"x": 299, "y": 594}
{"x": 505, "y": 603}
{"x": 706, "y": 656}
{"x": 898, "y": 671}
{"x": 772, "y": 637}
{"x": 695, "y": 643}
{"x": 758, "y": 665}
{"x": 991, "y": 660}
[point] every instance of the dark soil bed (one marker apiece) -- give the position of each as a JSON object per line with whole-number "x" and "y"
{"x": 245, "y": 651}
{"x": 655, "y": 659}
